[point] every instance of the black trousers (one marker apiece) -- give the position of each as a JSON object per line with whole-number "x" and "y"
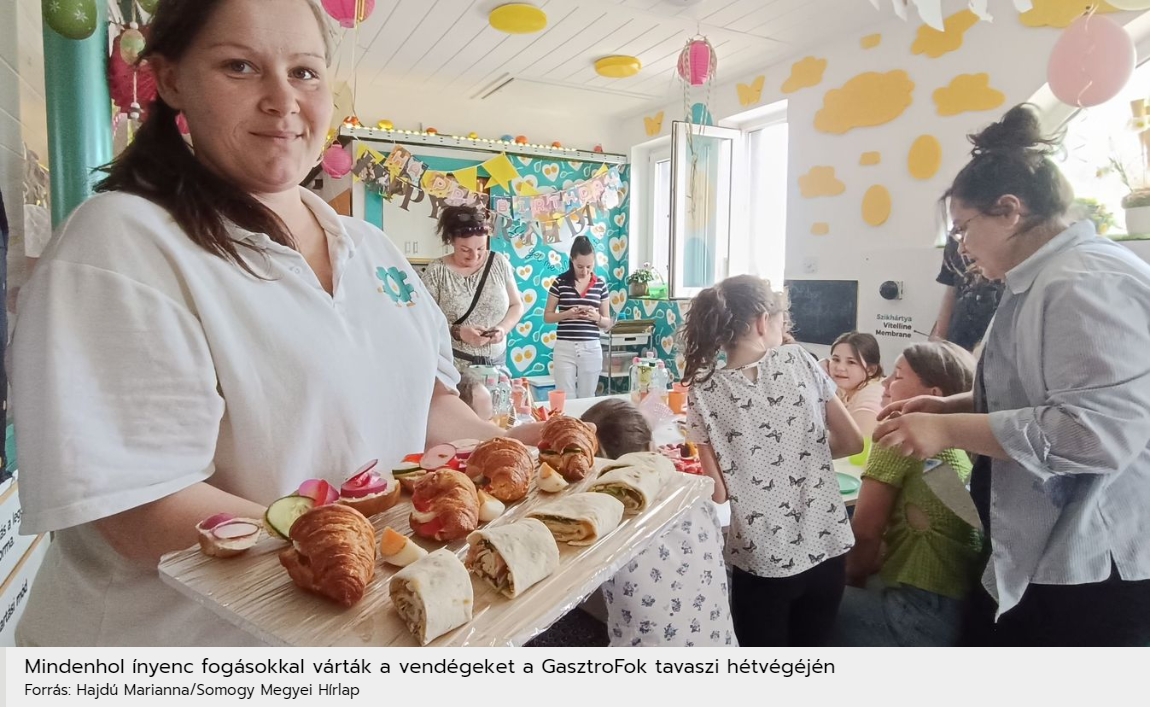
{"x": 797, "y": 611}
{"x": 1111, "y": 613}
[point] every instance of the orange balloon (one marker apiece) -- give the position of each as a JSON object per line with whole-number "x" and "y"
{"x": 431, "y": 131}
{"x": 521, "y": 140}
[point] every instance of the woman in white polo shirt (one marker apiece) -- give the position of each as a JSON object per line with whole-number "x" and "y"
{"x": 204, "y": 334}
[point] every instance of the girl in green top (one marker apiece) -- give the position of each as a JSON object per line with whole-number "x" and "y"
{"x": 915, "y": 556}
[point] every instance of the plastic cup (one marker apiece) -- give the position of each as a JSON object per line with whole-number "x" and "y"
{"x": 556, "y": 400}
{"x": 860, "y": 458}
{"x": 677, "y": 401}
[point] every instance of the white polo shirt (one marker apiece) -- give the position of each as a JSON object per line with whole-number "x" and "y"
{"x": 143, "y": 365}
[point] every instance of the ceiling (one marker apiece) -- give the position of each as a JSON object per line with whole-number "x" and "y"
{"x": 447, "y": 47}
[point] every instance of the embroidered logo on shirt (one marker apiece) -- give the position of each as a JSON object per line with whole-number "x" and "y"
{"x": 395, "y": 286}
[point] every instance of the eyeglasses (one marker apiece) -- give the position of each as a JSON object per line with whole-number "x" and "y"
{"x": 959, "y": 231}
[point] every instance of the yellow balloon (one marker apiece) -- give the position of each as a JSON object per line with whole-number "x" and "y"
{"x": 473, "y": 136}
{"x": 385, "y": 125}
{"x": 1129, "y": 4}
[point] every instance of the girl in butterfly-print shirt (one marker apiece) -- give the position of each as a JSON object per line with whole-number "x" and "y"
{"x": 768, "y": 425}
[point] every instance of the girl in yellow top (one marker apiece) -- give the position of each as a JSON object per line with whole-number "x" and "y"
{"x": 926, "y": 557}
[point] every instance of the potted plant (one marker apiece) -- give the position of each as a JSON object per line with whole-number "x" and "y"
{"x": 1099, "y": 214}
{"x": 1137, "y": 211}
{"x": 638, "y": 280}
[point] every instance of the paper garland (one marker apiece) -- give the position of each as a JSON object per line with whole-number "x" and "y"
{"x": 546, "y": 216}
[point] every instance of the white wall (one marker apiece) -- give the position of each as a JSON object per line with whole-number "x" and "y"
{"x": 903, "y": 248}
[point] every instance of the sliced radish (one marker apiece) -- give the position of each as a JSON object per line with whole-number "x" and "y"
{"x": 465, "y": 448}
{"x": 319, "y": 491}
{"x": 235, "y": 529}
{"x": 438, "y": 456}
{"x": 368, "y": 467}
{"x": 364, "y": 484}
{"x": 213, "y": 521}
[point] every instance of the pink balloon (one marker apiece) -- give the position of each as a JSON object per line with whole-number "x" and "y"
{"x": 1091, "y": 61}
{"x": 337, "y": 162}
{"x": 344, "y": 11}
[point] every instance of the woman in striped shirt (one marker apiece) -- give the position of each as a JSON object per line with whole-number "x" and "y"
{"x": 578, "y": 305}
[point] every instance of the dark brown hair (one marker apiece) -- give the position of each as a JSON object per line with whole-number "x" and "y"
{"x": 460, "y": 222}
{"x": 620, "y": 427}
{"x": 467, "y": 387}
{"x": 159, "y": 166}
{"x": 1011, "y": 156}
{"x": 581, "y": 246}
{"x": 865, "y": 348}
{"x": 943, "y": 365}
{"x": 720, "y": 315}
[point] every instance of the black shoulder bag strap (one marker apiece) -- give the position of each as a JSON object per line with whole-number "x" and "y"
{"x": 479, "y": 288}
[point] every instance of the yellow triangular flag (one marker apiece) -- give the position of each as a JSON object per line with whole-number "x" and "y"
{"x": 362, "y": 148}
{"x": 501, "y": 169}
{"x": 467, "y": 178}
{"x": 525, "y": 189}
{"x": 601, "y": 171}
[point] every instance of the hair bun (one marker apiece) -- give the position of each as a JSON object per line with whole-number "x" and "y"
{"x": 1017, "y": 131}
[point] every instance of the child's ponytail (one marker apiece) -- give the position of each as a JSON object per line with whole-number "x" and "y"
{"x": 719, "y": 316}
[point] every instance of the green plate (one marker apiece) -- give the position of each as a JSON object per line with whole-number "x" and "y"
{"x": 847, "y": 483}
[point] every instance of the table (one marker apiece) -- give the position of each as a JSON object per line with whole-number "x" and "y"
{"x": 254, "y": 592}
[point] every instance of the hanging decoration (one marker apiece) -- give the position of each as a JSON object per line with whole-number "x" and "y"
{"x": 132, "y": 85}
{"x": 337, "y": 161}
{"x": 553, "y": 217}
{"x": 1091, "y": 61}
{"x": 697, "y": 61}
{"x": 696, "y": 67}
{"x": 931, "y": 11}
{"x": 73, "y": 19}
{"x": 349, "y": 13}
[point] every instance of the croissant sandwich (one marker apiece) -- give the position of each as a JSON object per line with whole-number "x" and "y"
{"x": 569, "y": 445}
{"x": 445, "y": 506}
{"x": 506, "y": 464}
{"x": 333, "y": 553}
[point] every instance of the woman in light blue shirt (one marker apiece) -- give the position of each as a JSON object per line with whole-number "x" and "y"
{"x": 1059, "y": 415}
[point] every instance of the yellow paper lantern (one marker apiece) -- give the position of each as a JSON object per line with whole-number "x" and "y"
{"x": 518, "y": 18}
{"x": 618, "y": 67}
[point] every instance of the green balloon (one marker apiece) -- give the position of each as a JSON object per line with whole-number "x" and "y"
{"x": 148, "y": 6}
{"x": 74, "y": 19}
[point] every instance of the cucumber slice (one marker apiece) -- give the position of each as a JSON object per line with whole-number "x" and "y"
{"x": 283, "y": 513}
{"x": 406, "y": 468}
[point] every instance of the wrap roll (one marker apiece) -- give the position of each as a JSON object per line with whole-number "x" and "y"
{"x": 636, "y": 486}
{"x": 433, "y": 596}
{"x": 513, "y": 557}
{"x": 580, "y": 519}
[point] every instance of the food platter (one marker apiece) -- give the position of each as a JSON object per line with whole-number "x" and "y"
{"x": 253, "y": 591}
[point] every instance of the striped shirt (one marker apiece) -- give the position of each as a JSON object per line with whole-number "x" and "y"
{"x": 569, "y": 297}
{"x": 1065, "y": 377}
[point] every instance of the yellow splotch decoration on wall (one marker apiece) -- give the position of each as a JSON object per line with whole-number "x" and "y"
{"x": 871, "y": 41}
{"x": 933, "y": 43}
{"x": 967, "y": 92}
{"x": 805, "y": 73}
{"x": 868, "y": 99}
{"x": 749, "y": 93}
{"x": 1059, "y": 13}
{"x": 868, "y": 159}
{"x": 652, "y": 125}
{"x": 820, "y": 181}
{"x": 924, "y": 157}
{"x": 876, "y": 205}
{"x": 819, "y": 228}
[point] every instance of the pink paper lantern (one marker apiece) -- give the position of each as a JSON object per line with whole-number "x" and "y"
{"x": 344, "y": 11}
{"x": 337, "y": 162}
{"x": 1091, "y": 61}
{"x": 697, "y": 62}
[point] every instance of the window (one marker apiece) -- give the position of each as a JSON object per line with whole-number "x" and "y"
{"x": 1096, "y": 135}
{"x": 767, "y": 199}
{"x": 661, "y": 213}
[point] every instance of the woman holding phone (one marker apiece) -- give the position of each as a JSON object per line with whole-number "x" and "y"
{"x": 475, "y": 288}
{"x": 578, "y": 306}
